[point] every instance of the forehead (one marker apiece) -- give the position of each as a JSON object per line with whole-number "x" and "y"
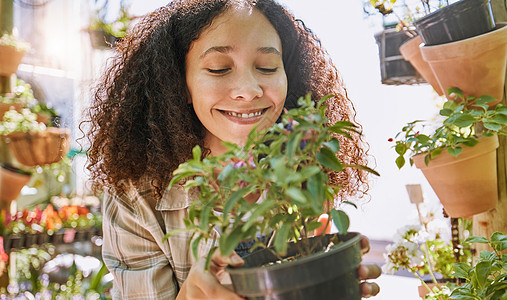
{"x": 239, "y": 26}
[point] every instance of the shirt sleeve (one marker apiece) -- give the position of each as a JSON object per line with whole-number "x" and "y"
{"x": 132, "y": 253}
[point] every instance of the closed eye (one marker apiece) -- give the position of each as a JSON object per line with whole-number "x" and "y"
{"x": 267, "y": 70}
{"x": 218, "y": 71}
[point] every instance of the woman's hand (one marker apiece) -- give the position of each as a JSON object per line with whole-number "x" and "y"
{"x": 201, "y": 284}
{"x": 368, "y": 289}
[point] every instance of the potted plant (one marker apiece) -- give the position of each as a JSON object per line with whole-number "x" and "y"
{"x": 286, "y": 164}
{"x": 486, "y": 277}
{"x": 458, "y": 161}
{"x": 12, "y": 51}
{"x": 21, "y": 96}
{"x": 104, "y": 35}
{"x": 32, "y": 143}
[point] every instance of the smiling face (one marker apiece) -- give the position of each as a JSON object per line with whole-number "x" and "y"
{"x": 235, "y": 76}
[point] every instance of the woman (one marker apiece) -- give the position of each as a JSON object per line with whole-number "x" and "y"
{"x": 196, "y": 72}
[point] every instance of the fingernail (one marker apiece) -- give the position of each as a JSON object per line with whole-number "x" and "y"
{"x": 236, "y": 259}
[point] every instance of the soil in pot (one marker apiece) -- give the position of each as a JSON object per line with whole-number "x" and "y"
{"x": 322, "y": 275}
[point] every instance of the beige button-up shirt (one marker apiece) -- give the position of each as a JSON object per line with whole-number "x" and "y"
{"x": 134, "y": 224}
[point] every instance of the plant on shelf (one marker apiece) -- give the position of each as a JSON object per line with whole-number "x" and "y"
{"x": 459, "y": 121}
{"x": 287, "y": 165}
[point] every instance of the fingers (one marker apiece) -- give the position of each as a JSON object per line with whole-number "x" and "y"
{"x": 369, "y": 289}
{"x": 233, "y": 260}
{"x": 369, "y": 272}
{"x": 201, "y": 284}
{"x": 365, "y": 245}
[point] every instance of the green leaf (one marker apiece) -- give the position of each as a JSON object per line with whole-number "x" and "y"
{"x": 333, "y": 144}
{"x": 208, "y": 258}
{"x": 234, "y": 198}
{"x": 476, "y": 239}
{"x": 464, "y": 121}
{"x": 296, "y": 194}
{"x": 196, "y": 153}
{"x": 446, "y": 112}
{"x": 400, "y": 161}
{"x": 482, "y": 270}
{"x": 293, "y": 144}
{"x": 314, "y": 186}
{"x": 499, "y": 241}
{"x": 492, "y": 126}
{"x": 225, "y": 172}
{"x": 258, "y": 212}
{"x": 501, "y": 109}
{"x": 455, "y": 90}
{"x": 500, "y": 119}
{"x": 195, "y": 246}
{"x": 341, "y": 220}
{"x": 281, "y": 239}
{"x": 454, "y": 151}
{"x": 365, "y": 168}
{"x": 461, "y": 270}
{"x": 329, "y": 160}
{"x": 229, "y": 241}
{"x": 401, "y": 148}
{"x": 486, "y": 99}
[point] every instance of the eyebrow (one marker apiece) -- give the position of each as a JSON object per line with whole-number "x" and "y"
{"x": 227, "y": 49}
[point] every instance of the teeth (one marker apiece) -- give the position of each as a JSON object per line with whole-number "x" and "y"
{"x": 245, "y": 116}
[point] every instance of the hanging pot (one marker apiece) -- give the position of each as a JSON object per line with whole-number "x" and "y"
{"x": 475, "y": 65}
{"x": 10, "y": 58}
{"x": 40, "y": 148}
{"x": 467, "y": 184}
{"x": 5, "y": 107}
{"x": 455, "y": 22}
{"x": 12, "y": 181}
{"x": 411, "y": 52}
{"x": 395, "y": 70}
{"x": 322, "y": 275}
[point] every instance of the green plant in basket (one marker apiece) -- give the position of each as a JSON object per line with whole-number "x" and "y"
{"x": 287, "y": 165}
{"x": 460, "y": 120}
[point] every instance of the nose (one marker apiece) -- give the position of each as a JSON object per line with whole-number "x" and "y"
{"x": 245, "y": 86}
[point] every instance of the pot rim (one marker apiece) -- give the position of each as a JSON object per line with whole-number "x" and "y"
{"x": 356, "y": 237}
{"x": 488, "y": 41}
{"x": 486, "y": 144}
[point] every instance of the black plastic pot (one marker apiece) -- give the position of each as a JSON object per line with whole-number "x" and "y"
{"x": 458, "y": 21}
{"x": 322, "y": 275}
{"x": 394, "y": 69}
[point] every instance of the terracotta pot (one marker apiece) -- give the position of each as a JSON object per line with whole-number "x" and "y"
{"x": 411, "y": 52}
{"x": 466, "y": 184}
{"x": 10, "y": 58}
{"x": 475, "y": 65}
{"x": 12, "y": 181}
{"x": 5, "y": 107}
{"x": 40, "y": 148}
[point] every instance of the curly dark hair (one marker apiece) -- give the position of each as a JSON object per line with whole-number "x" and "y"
{"x": 140, "y": 121}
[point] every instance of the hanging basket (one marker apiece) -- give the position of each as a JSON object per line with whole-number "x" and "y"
{"x": 5, "y": 107}
{"x": 12, "y": 181}
{"x": 394, "y": 70}
{"x": 10, "y": 58}
{"x": 467, "y": 184}
{"x": 40, "y": 148}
